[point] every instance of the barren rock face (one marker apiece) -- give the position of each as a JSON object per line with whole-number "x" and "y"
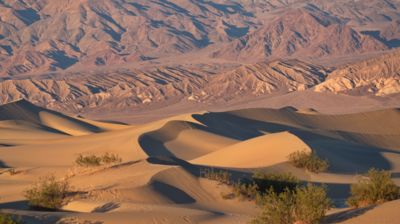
{"x": 378, "y": 76}
{"x": 126, "y": 89}
{"x": 42, "y": 36}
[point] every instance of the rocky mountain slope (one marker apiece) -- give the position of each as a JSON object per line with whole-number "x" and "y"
{"x": 42, "y": 36}
{"x": 377, "y": 76}
{"x": 125, "y": 89}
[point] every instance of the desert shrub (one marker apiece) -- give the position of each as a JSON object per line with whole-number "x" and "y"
{"x": 376, "y": 188}
{"x": 311, "y": 204}
{"x": 306, "y": 205}
{"x": 108, "y": 158}
{"x": 308, "y": 160}
{"x": 221, "y": 176}
{"x": 93, "y": 160}
{"x": 9, "y": 219}
{"x": 47, "y": 193}
{"x": 277, "y": 181}
{"x": 89, "y": 160}
{"x": 12, "y": 171}
{"x": 245, "y": 190}
{"x": 277, "y": 208}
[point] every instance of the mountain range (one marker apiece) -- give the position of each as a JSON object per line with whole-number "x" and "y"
{"x": 43, "y": 36}
{"x": 77, "y": 55}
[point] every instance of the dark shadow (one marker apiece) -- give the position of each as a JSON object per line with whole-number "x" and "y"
{"x": 94, "y": 89}
{"x": 100, "y": 61}
{"x": 147, "y": 58}
{"x": 395, "y": 175}
{"x": 61, "y": 59}
{"x": 4, "y": 165}
{"x": 5, "y": 145}
{"x": 172, "y": 193}
{"x": 338, "y": 193}
{"x": 169, "y": 5}
{"x": 153, "y": 147}
{"x": 28, "y": 16}
{"x": 232, "y": 8}
{"x": 345, "y": 215}
{"x": 200, "y": 43}
{"x": 394, "y": 43}
{"x": 139, "y": 6}
{"x": 17, "y": 205}
{"x": 106, "y": 207}
{"x": 8, "y": 49}
{"x": 234, "y": 31}
{"x": 113, "y": 122}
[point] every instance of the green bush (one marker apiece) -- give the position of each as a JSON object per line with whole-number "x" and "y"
{"x": 308, "y": 160}
{"x": 9, "y": 219}
{"x": 277, "y": 208}
{"x": 311, "y": 204}
{"x": 376, "y": 188}
{"x": 306, "y": 205}
{"x": 93, "y": 160}
{"x": 47, "y": 193}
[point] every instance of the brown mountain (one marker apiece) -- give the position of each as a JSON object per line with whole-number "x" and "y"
{"x": 43, "y": 36}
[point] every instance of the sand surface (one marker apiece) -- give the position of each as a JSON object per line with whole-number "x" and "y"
{"x": 158, "y": 179}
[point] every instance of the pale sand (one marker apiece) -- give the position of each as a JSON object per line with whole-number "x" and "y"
{"x": 159, "y": 179}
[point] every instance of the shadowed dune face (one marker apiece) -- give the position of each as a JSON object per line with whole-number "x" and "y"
{"x": 24, "y": 115}
{"x": 353, "y": 142}
{"x": 335, "y": 133}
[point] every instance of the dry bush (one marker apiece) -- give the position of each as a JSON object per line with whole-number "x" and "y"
{"x": 47, "y": 193}
{"x": 221, "y": 176}
{"x": 247, "y": 191}
{"x": 308, "y": 160}
{"x": 109, "y": 158}
{"x": 93, "y": 160}
{"x": 376, "y": 188}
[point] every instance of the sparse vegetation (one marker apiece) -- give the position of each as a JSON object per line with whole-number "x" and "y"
{"x": 93, "y": 160}
{"x": 220, "y": 176}
{"x": 254, "y": 188}
{"x": 47, "y": 193}
{"x": 12, "y": 172}
{"x": 308, "y": 160}
{"x": 377, "y": 187}
{"x": 248, "y": 191}
{"x": 9, "y": 219}
{"x": 306, "y": 205}
{"x": 278, "y": 181}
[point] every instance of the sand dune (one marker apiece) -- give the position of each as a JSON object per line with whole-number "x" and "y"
{"x": 182, "y": 139}
{"x": 27, "y": 112}
{"x": 261, "y": 151}
{"x": 159, "y": 178}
